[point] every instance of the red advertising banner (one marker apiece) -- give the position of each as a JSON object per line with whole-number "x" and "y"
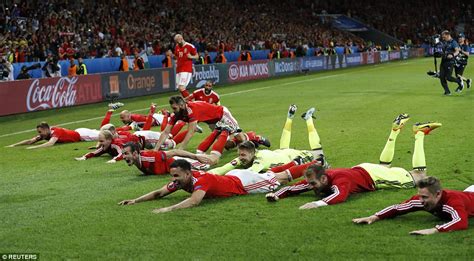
{"x": 49, "y": 93}
{"x": 248, "y": 71}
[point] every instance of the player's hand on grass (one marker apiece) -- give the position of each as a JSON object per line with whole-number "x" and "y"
{"x": 271, "y": 197}
{"x": 111, "y": 161}
{"x": 310, "y": 205}
{"x": 10, "y": 146}
{"x": 428, "y": 231}
{"x": 127, "y": 202}
{"x": 366, "y": 220}
{"x": 80, "y": 158}
{"x": 161, "y": 210}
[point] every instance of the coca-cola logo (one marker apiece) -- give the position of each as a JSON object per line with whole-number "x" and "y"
{"x": 234, "y": 72}
{"x": 55, "y": 95}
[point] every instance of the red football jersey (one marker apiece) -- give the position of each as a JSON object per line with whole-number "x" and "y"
{"x": 215, "y": 186}
{"x": 154, "y": 162}
{"x": 183, "y": 63}
{"x": 343, "y": 182}
{"x": 199, "y": 111}
{"x": 200, "y": 95}
{"x": 454, "y": 206}
{"x": 114, "y": 150}
{"x": 65, "y": 135}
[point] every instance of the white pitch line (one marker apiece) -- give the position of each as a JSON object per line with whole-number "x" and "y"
{"x": 225, "y": 94}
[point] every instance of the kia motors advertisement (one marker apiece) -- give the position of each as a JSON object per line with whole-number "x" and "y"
{"x": 248, "y": 71}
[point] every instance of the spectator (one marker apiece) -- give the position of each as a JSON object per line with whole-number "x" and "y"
{"x": 82, "y": 69}
{"x": 220, "y": 58}
{"x": 51, "y": 68}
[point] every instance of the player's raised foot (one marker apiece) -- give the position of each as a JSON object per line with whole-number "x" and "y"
{"x": 426, "y": 127}
{"x": 308, "y": 114}
{"x": 469, "y": 83}
{"x": 461, "y": 86}
{"x": 115, "y": 105}
{"x": 400, "y": 121}
{"x": 198, "y": 129}
{"x": 264, "y": 141}
{"x": 292, "y": 111}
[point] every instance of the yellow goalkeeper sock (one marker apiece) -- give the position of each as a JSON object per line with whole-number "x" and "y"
{"x": 419, "y": 161}
{"x": 313, "y": 136}
{"x": 286, "y": 134}
{"x": 388, "y": 151}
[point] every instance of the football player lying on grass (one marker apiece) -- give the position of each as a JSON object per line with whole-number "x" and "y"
{"x": 107, "y": 144}
{"x": 205, "y": 185}
{"x": 335, "y": 185}
{"x": 453, "y": 206}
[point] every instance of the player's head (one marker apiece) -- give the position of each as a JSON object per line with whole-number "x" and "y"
{"x": 178, "y": 105}
{"x": 43, "y": 130}
{"x": 131, "y": 153}
{"x": 208, "y": 87}
{"x": 105, "y": 138}
{"x": 430, "y": 192}
{"x": 446, "y": 35}
{"x": 181, "y": 174}
{"x": 110, "y": 127}
{"x": 126, "y": 117}
{"x": 179, "y": 39}
{"x": 246, "y": 151}
{"x": 317, "y": 177}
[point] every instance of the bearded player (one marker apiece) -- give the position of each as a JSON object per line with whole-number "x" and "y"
{"x": 184, "y": 53}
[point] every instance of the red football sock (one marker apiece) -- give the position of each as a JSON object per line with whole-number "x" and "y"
{"x": 184, "y": 93}
{"x": 206, "y": 143}
{"x": 149, "y": 118}
{"x": 218, "y": 146}
{"x": 106, "y": 119}
{"x": 165, "y": 120}
{"x": 177, "y": 127}
{"x": 124, "y": 128}
{"x": 283, "y": 167}
{"x": 298, "y": 171}
{"x": 180, "y": 137}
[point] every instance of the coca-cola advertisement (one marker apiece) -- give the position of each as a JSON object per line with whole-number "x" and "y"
{"x": 248, "y": 71}
{"x": 49, "y": 93}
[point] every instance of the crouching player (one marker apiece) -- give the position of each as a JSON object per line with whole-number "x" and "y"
{"x": 205, "y": 185}
{"x": 337, "y": 184}
{"x": 453, "y": 206}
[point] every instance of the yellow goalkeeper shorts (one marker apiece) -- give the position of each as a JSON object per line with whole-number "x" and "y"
{"x": 386, "y": 177}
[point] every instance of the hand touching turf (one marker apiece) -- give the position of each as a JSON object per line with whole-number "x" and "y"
{"x": 127, "y": 202}
{"x": 424, "y": 232}
{"x": 366, "y": 220}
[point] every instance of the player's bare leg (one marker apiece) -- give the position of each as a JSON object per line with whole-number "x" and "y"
{"x": 419, "y": 163}
{"x": 183, "y": 91}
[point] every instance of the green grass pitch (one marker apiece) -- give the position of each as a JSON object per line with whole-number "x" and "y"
{"x": 63, "y": 209}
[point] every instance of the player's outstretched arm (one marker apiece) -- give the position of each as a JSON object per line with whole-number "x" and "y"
{"x": 24, "y": 142}
{"x": 428, "y": 231}
{"x": 366, "y": 220}
{"x": 190, "y": 202}
{"x": 147, "y": 197}
{"x": 50, "y": 143}
{"x": 189, "y": 135}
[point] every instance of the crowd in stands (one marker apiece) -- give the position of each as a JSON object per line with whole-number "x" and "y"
{"x": 36, "y": 30}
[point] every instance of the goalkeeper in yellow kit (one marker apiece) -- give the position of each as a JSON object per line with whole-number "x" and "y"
{"x": 262, "y": 160}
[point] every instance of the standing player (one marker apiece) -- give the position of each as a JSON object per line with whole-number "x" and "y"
{"x": 184, "y": 53}
{"x": 55, "y": 135}
{"x": 204, "y": 185}
{"x": 337, "y": 184}
{"x": 461, "y": 61}
{"x": 453, "y": 206}
{"x": 262, "y": 160}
